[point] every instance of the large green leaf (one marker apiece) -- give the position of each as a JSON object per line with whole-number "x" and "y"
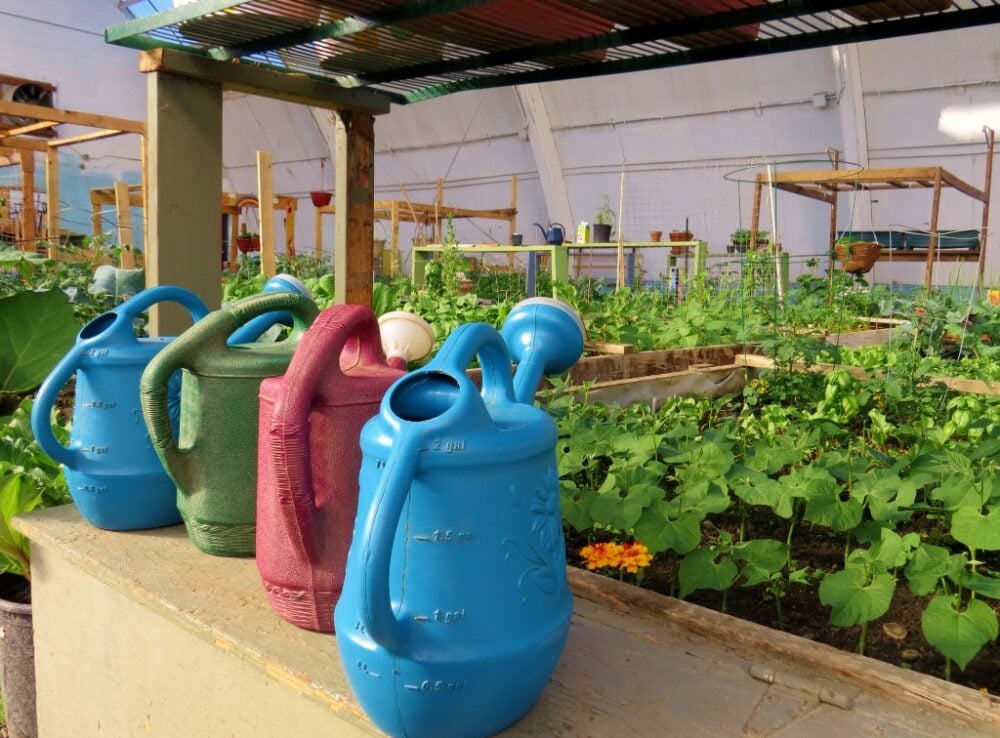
{"x": 706, "y": 569}
{"x": 36, "y": 329}
{"x": 958, "y": 635}
{"x": 830, "y": 511}
{"x": 854, "y": 598}
{"x": 976, "y": 530}
{"x": 660, "y": 532}
{"x": 16, "y": 496}
{"x": 762, "y": 558}
{"x": 119, "y": 282}
{"x": 929, "y": 564}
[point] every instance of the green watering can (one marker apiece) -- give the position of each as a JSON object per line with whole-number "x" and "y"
{"x": 213, "y": 461}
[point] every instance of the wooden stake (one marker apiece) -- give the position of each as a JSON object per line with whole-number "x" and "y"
{"x": 52, "y": 200}
{"x": 28, "y": 228}
{"x": 265, "y": 206}
{"x": 124, "y": 215}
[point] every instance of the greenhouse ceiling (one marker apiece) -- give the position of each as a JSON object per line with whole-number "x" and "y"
{"x": 413, "y": 50}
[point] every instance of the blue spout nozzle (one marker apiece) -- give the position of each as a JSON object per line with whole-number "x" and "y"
{"x": 255, "y": 328}
{"x": 544, "y": 336}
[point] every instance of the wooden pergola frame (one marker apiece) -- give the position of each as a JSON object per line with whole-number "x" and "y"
{"x": 16, "y": 141}
{"x": 826, "y": 185}
{"x": 184, "y": 120}
{"x": 424, "y": 214}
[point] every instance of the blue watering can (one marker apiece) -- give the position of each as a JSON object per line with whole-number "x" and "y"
{"x": 255, "y": 328}
{"x": 455, "y": 606}
{"x": 113, "y": 473}
{"x": 554, "y": 235}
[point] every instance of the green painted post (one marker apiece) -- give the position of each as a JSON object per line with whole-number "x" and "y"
{"x": 418, "y": 264}
{"x": 784, "y": 261}
{"x": 559, "y": 263}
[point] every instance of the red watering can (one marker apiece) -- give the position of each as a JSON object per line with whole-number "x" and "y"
{"x": 309, "y": 459}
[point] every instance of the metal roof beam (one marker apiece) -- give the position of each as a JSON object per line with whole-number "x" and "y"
{"x": 759, "y": 47}
{"x": 597, "y": 42}
{"x": 347, "y": 26}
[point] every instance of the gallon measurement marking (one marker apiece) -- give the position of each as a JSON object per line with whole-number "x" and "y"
{"x": 100, "y": 405}
{"x": 448, "y": 447}
{"x": 445, "y": 617}
{"x": 438, "y": 686}
{"x": 446, "y": 536}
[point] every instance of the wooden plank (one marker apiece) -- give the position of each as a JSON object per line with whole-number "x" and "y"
{"x": 806, "y": 192}
{"x": 123, "y": 211}
{"x": 265, "y": 194}
{"x": 651, "y": 390}
{"x": 84, "y": 137}
{"x": 42, "y": 113}
{"x": 984, "y": 229}
{"x": 245, "y": 77}
{"x": 959, "y": 384}
{"x": 851, "y": 339}
{"x": 23, "y": 144}
{"x": 950, "y": 180}
{"x": 29, "y": 230}
{"x": 30, "y": 128}
{"x": 53, "y": 208}
{"x": 932, "y": 241}
{"x": 648, "y": 363}
{"x": 608, "y": 348}
{"x": 852, "y": 175}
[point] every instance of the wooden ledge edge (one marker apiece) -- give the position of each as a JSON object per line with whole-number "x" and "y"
{"x": 754, "y": 641}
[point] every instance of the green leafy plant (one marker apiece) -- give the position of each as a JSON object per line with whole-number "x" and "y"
{"x": 605, "y": 215}
{"x": 36, "y": 329}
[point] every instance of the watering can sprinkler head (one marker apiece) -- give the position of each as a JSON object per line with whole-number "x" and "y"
{"x": 405, "y": 337}
{"x": 544, "y": 336}
{"x": 255, "y": 328}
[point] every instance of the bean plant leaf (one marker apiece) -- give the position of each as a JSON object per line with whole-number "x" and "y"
{"x": 620, "y": 512}
{"x": 16, "y": 496}
{"x": 36, "y": 329}
{"x": 982, "y": 585}
{"x": 928, "y": 565}
{"x": 660, "y": 532}
{"x": 706, "y": 569}
{"x": 118, "y": 282}
{"x": 856, "y": 598}
{"x": 762, "y": 558}
{"x": 830, "y": 511}
{"x": 971, "y": 527}
{"x": 576, "y": 505}
{"x": 767, "y": 492}
{"x": 959, "y": 635}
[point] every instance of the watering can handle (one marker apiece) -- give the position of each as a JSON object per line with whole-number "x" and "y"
{"x": 478, "y": 339}
{"x": 205, "y": 336}
{"x": 41, "y": 411}
{"x": 377, "y": 534}
{"x": 316, "y": 360}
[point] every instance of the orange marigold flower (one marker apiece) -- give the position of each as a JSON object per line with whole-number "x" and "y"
{"x": 634, "y": 556}
{"x": 598, "y": 555}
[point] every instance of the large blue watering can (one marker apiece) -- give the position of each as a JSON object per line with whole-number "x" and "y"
{"x": 455, "y": 606}
{"x": 113, "y": 473}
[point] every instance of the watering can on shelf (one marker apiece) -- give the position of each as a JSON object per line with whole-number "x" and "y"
{"x": 555, "y": 234}
{"x": 213, "y": 457}
{"x": 455, "y": 605}
{"x": 308, "y": 456}
{"x": 111, "y": 468}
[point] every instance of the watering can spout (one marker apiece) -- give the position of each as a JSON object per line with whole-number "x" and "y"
{"x": 545, "y": 233}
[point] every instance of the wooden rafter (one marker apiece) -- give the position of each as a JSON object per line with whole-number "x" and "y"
{"x": 30, "y": 128}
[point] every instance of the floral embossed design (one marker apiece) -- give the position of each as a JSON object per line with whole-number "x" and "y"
{"x": 543, "y": 550}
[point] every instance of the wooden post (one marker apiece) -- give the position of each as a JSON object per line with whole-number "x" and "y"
{"x": 185, "y": 188}
{"x": 29, "y": 230}
{"x": 396, "y": 261}
{"x": 932, "y": 241}
{"x": 143, "y": 159}
{"x": 234, "y": 250}
{"x": 96, "y": 218}
{"x": 52, "y": 200}
{"x": 318, "y": 236}
{"x": 123, "y": 212}
{"x": 834, "y": 197}
{"x": 438, "y": 205}
{"x": 985, "y": 229}
{"x": 355, "y": 217}
{"x": 265, "y": 206}
{"x": 755, "y": 213}
{"x": 512, "y": 223}
{"x": 290, "y": 228}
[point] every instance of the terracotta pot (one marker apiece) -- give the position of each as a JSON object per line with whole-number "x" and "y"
{"x": 320, "y": 199}
{"x": 681, "y": 236}
{"x": 655, "y": 236}
{"x": 244, "y": 244}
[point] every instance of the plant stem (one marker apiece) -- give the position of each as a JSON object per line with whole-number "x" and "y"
{"x": 863, "y": 638}
{"x": 947, "y": 669}
{"x": 777, "y": 606}
{"x": 725, "y": 596}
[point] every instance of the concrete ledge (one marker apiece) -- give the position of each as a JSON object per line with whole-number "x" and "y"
{"x": 141, "y": 634}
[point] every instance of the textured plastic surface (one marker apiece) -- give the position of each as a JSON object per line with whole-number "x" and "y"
{"x": 112, "y": 470}
{"x": 455, "y": 608}
{"x": 213, "y": 458}
{"x": 308, "y": 461}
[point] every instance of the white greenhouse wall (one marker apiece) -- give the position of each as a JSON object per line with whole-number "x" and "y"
{"x": 672, "y": 135}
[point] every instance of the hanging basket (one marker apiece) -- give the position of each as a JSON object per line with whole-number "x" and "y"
{"x": 858, "y": 257}
{"x": 320, "y": 199}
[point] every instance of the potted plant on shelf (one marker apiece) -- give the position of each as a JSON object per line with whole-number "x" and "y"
{"x": 739, "y": 240}
{"x": 684, "y": 235}
{"x": 856, "y": 255}
{"x": 603, "y": 221}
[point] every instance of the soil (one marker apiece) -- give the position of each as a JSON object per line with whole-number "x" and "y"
{"x": 14, "y": 588}
{"x": 895, "y": 638}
